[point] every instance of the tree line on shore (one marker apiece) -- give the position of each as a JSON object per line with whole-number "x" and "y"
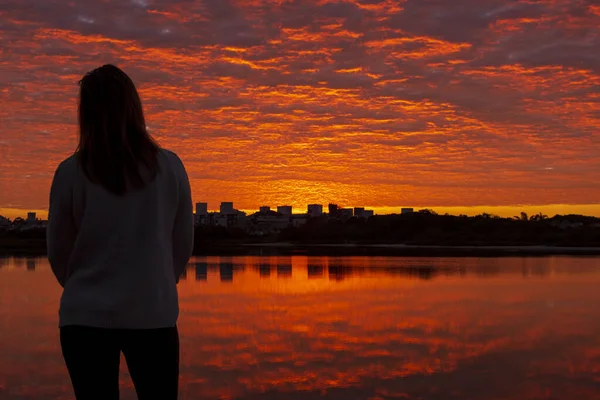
{"x": 427, "y": 228}
{"x": 420, "y": 228}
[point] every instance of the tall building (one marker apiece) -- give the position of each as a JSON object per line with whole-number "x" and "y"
{"x": 285, "y": 210}
{"x": 31, "y": 218}
{"x": 333, "y": 209}
{"x": 407, "y": 210}
{"x": 201, "y": 208}
{"x": 367, "y": 213}
{"x": 227, "y": 208}
{"x": 202, "y": 217}
{"x": 315, "y": 210}
{"x": 264, "y": 209}
{"x": 4, "y": 222}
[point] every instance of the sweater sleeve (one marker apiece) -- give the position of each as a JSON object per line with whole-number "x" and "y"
{"x": 183, "y": 229}
{"x": 60, "y": 232}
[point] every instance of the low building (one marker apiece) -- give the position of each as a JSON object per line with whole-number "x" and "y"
{"x": 566, "y": 224}
{"x": 344, "y": 213}
{"x": 264, "y": 209}
{"x": 221, "y": 220}
{"x": 237, "y": 219}
{"x": 227, "y": 216}
{"x": 360, "y": 212}
{"x": 268, "y": 222}
{"x": 407, "y": 210}
{"x": 206, "y": 219}
{"x": 202, "y": 219}
{"x": 299, "y": 220}
{"x": 285, "y": 210}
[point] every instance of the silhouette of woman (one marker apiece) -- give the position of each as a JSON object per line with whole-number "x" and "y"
{"x": 120, "y": 233}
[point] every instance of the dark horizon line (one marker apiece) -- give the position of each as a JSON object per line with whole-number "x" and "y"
{"x": 429, "y": 211}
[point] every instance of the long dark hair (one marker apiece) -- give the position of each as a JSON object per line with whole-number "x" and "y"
{"x": 115, "y": 149}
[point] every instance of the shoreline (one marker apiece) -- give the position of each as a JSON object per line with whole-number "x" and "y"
{"x": 33, "y": 248}
{"x": 417, "y": 250}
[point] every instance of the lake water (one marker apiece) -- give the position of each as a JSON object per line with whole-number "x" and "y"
{"x": 344, "y": 328}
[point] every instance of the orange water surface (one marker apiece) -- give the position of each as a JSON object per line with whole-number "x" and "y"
{"x": 344, "y": 328}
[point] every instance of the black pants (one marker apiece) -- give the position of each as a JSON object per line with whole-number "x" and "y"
{"x": 93, "y": 355}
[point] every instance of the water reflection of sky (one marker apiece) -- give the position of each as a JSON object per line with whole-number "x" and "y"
{"x": 345, "y": 328}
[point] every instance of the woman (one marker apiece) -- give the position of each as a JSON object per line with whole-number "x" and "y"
{"x": 120, "y": 233}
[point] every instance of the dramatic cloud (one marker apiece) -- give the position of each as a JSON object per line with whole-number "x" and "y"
{"x": 363, "y": 102}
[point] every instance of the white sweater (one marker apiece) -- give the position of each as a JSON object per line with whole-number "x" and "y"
{"x": 119, "y": 257}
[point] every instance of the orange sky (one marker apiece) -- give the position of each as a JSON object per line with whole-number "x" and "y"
{"x": 379, "y": 103}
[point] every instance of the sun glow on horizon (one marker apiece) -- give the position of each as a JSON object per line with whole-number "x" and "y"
{"x": 502, "y": 211}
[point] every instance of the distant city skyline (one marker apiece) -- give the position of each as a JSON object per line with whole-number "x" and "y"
{"x": 381, "y": 103}
{"x": 503, "y": 211}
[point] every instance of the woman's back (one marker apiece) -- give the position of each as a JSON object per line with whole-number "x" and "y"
{"x": 124, "y": 261}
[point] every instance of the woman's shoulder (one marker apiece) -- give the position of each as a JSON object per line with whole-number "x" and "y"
{"x": 68, "y": 165}
{"x": 66, "y": 172}
{"x": 169, "y": 154}
{"x": 172, "y": 159}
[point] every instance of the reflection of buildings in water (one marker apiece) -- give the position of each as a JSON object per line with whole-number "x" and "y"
{"x": 264, "y": 270}
{"x": 340, "y": 269}
{"x": 487, "y": 269}
{"x": 339, "y": 272}
{"x": 18, "y": 262}
{"x": 315, "y": 271}
{"x": 284, "y": 266}
{"x": 31, "y": 262}
{"x": 423, "y": 272}
{"x": 3, "y": 261}
{"x": 213, "y": 267}
{"x": 226, "y": 271}
{"x": 540, "y": 270}
{"x": 284, "y": 270}
{"x": 535, "y": 270}
{"x": 201, "y": 271}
